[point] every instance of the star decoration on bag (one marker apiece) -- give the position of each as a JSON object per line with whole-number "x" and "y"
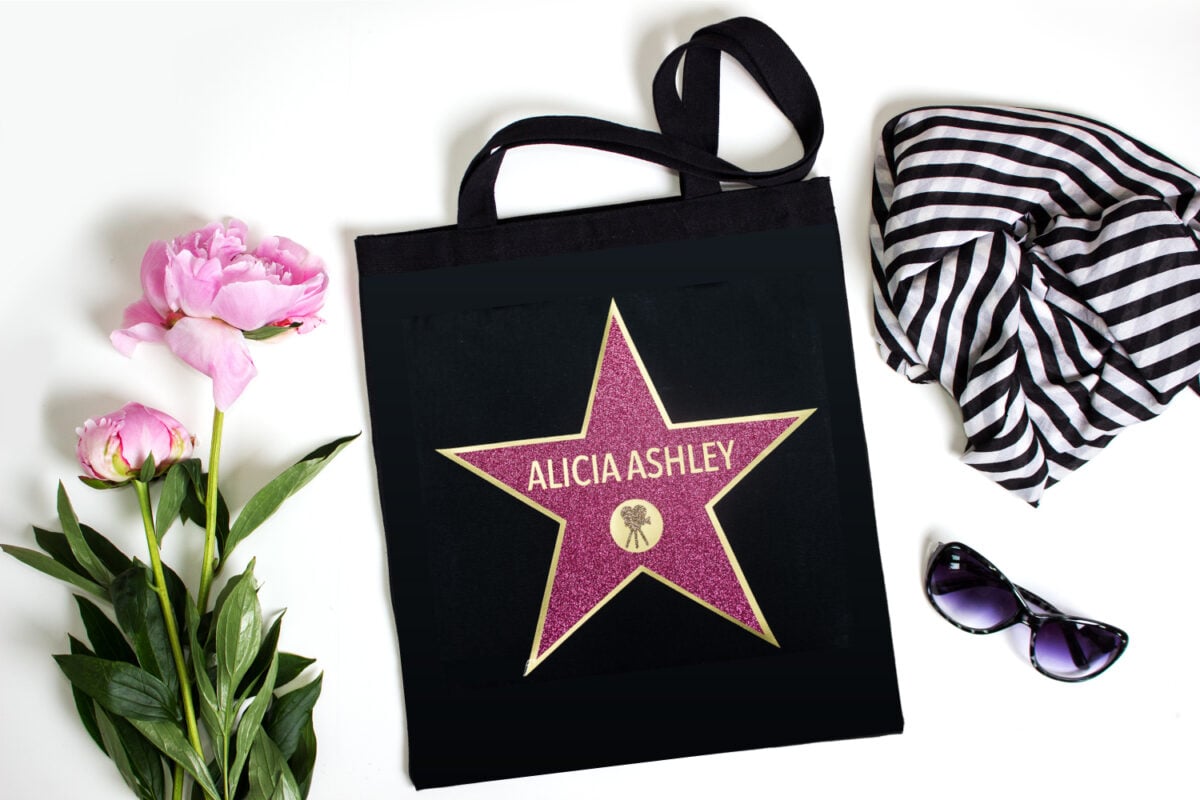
{"x": 634, "y": 494}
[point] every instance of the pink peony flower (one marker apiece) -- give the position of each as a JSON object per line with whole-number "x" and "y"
{"x": 201, "y": 292}
{"x": 114, "y": 447}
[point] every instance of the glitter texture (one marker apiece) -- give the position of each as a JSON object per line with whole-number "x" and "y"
{"x": 629, "y": 449}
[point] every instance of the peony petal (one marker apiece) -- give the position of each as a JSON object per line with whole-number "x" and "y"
{"x": 308, "y": 323}
{"x": 217, "y": 350}
{"x": 98, "y": 449}
{"x": 252, "y": 304}
{"x": 296, "y": 266}
{"x": 314, "y": 297}
{"x": 290, "y": 254}
{"x": 222, "y": 242}
{"x": 142, "y": 434}
{"x": 290, "y": 264}
{"x": 126, "y": 339}
{"x": 143, "y": 311}
{"x": 154, "y": 268}
{"x": 178, "y": 441}
{"x": 114, "y": 447}
{"x": 229, "y": 243}
{"x": 142, "y": 324}
{"x": 197, "y": 241}
{"x": 191, "y": 282}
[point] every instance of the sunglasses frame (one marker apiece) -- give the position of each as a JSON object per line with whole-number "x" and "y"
{"x": 1027, "y": 601}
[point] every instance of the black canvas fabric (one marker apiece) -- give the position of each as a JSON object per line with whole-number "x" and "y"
{"x": 489, "y": 332}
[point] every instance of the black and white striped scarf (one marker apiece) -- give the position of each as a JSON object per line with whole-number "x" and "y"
{"x": 1042, "y": 267}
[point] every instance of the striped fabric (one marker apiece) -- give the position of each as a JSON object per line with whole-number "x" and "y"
{"x": 1043, "y": 268}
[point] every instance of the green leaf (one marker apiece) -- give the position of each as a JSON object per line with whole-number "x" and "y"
{"x": 59, "y": 549}
{"x": 287, "y": 788}
{"x": 178, "y": 594}
{"x": 250, "y": 724}
{"x": 238, "y": 635}
{"x": 238, "y": 639}
{"x": 197, "y": 792}
{"x": 268, "y": 331}
{"x": 289, "y": 714}
{"x": 199, "y": 657}
{"x": 174, "y": 487}
{"x": 268, "y": 499}
{"x": 214, "y": 719}
{"x": 56, "y": 545}
{"x": 145, "y": 759}
{"x": 136, "y": 758}
{"x": 192, "y": 510}
{"x": 121, "y": 688}
{"x": 111, "y": 555}
{"x": 79, "y": 547}
{"x": 167, "y": 737}
{"x": 105, "y": 637}
{"x": 84, "y": 704}
{"x": 226, "y": 591}
{"x": 146, "y": 474}
{"x": 192, "y": 507}
{"x": 192, "y": 469}
{"x": 46, "y": 564}
{"x": 208, "y": 628}
{"x": 290, "y": 667}
{"x": 305, "y": 758}
{"x": 140, "y": 615}
{"x": 262, "y": 662}
{"x": 96, "y": 483}
{"x": 112, "y": 746}
{"x": 270, "y": 776}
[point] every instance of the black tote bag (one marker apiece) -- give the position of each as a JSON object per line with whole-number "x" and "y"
{"x": 621, "y": 456}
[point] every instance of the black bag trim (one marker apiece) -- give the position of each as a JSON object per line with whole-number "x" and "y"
{"x": 627, "y": 224}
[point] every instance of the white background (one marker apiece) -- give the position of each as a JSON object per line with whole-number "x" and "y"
{"x": 124, "y": 124}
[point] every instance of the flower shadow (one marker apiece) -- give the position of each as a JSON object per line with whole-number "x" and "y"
{"x": 124, "y": 237}
{"x": 62, "y": 414}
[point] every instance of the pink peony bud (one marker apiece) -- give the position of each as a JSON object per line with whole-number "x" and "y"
{"x": 202, "y": 291}
{"x": 113, "y": 447}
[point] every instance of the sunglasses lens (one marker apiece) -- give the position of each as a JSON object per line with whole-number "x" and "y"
{"x": 1074, "y": 650}
{"x": 970, "y": 591}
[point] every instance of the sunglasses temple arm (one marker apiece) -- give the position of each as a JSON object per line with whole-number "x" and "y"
{"x": 1077, "y": 654}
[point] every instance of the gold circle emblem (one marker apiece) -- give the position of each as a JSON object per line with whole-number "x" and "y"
{"x": 636, "y": 525}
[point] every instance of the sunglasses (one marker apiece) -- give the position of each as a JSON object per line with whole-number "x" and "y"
{"x": 972, "y": 594}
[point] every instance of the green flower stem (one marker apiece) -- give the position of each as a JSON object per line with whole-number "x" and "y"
{"x": 160, "y": 586}
{"x": 210, "y": 509}
{"x": 177, "y": 784}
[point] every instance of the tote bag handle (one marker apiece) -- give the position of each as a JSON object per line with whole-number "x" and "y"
{"x": 694, "y": 118}
{"x": 690, "y": 123}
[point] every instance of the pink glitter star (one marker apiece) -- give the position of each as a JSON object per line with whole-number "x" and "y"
{"x": 634, "y": 494}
